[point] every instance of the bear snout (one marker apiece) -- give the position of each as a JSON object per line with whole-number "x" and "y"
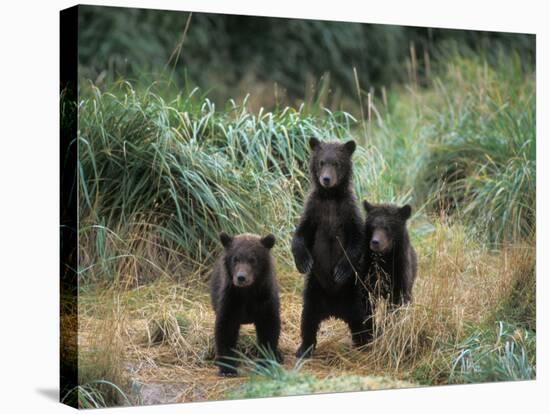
{"x": 242, "y": 275}
{"x": 380, "y": 242}
{"x": 327, "y": 177}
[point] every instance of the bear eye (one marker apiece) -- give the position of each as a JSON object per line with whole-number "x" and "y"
{"x": 321, "y": 163}
{"x": 252, "y": 260}
{"x": 235, "y": 259}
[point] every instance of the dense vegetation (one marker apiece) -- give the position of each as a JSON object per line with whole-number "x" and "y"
{"x": 189, "y": 169}
{"x": 161, "y": 172}
{"x": 288, "y": 60}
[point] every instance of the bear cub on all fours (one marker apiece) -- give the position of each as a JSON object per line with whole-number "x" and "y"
{"x": 327, "y": 246}
{"x": 389, "y": 260}
{"x": 244, "y": 290}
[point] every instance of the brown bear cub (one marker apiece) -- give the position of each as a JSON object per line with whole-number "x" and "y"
{"x": 244, "y": 290}
{"x": 327, "y": 246}
{"x": 389, "y": 260}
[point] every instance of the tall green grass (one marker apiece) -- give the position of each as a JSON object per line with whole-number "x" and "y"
{"x": 467, "y": 146}
{"x": 176, "y": 172}
{"x": 187, "y": 170}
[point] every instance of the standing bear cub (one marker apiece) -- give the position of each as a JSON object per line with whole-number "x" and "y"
{"x": 389, "y": 260}
{"x": 244, "y": 290}
{"x": 327, "y": 246}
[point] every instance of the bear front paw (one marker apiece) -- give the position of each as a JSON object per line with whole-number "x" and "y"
{"x": 227, "y": 371}
{"x": 304, "y": 262}
{"x": 343, "y": 271}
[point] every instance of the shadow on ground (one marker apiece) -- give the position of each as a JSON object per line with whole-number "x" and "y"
{"x": 50, "y": 393}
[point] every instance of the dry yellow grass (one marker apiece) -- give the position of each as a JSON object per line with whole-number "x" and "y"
{"x": 157, "y": 340}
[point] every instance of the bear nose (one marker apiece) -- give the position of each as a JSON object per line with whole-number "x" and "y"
{"x": 241, "y": 278}
{"x": 375, "y": 244}
{"x": 326, "y": 180}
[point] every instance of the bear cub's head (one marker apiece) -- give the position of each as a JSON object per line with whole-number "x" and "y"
{"x": 330, "y": 164}
{"x": 247, "y": 257}
{"x": 385, "y": 225}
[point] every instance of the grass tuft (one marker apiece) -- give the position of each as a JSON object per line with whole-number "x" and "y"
{"x": 506, "y": 353}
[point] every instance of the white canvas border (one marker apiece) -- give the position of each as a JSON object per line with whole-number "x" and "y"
{"x": 29, "y": 162}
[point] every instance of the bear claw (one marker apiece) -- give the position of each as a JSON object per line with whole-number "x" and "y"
{"x": 227, "y": 372}
{"x": 342, "y": 272}
{"x": 304, "y": 264}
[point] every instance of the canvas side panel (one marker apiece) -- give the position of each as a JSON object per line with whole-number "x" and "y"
{"x": 68, "y": 206}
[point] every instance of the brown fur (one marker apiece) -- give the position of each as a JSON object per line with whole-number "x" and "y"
{"x": 244, "y": 290}
{"x": 327, "y": 246}
{"x": 389, "y": 261}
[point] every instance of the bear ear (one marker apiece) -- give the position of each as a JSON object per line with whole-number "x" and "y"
{"x": 226, "y": 239}
{"x": 368, "y": 206}
{"x": 314, "y": 143}
{"x": 268, "y": 241}
{"x": 350, "y": 147}
{"x": 405, "y": 212}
